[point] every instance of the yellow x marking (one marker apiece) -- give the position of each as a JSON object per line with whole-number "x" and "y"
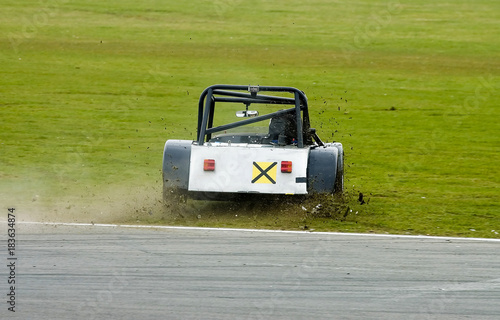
{"x": 264, "y": 172}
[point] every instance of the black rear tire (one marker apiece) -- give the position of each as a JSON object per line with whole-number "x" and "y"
{"x": 339, "y": 177}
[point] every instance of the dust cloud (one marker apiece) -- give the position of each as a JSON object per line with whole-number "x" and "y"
{"x": 134, "y": 203}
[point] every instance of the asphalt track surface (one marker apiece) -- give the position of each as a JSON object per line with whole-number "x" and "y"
{"x": 115, "y": 272}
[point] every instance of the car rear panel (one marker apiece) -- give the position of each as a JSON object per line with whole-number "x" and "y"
{"x": 247, "y": 168}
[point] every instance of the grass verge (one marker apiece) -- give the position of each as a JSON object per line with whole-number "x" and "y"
{"x": 90, "y": 91}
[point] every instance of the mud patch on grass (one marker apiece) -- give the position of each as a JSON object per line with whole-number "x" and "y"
{"x": 283, "y": 212}
{"x": 143, "y": 204}
{"x": 328, "y": 206}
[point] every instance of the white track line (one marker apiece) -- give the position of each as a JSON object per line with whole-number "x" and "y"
{"x": 256, "y": 230}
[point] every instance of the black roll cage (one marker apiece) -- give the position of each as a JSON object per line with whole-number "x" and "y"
{"x": 219, "y": 93}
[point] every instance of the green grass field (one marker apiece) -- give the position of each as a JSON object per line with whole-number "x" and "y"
{"x": 91, "y": 90}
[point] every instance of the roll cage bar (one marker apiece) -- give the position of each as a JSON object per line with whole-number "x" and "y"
{"x": 220, "y": 93}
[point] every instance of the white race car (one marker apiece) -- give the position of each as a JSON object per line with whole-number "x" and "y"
{"x": 271, "y": 150}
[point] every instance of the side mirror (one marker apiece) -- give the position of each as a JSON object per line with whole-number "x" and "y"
{"x": 247, "y": 113}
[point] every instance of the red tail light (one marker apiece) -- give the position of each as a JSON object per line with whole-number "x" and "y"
{"x": 286, "y": 166}
{"x": 209, "y": 165}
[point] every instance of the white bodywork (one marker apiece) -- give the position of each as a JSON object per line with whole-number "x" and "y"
{"x": 235, "y": 169}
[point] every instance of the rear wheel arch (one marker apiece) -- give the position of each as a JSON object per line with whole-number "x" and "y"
{"x": 322, "y": 169}
{"x": 175, "y": 168}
